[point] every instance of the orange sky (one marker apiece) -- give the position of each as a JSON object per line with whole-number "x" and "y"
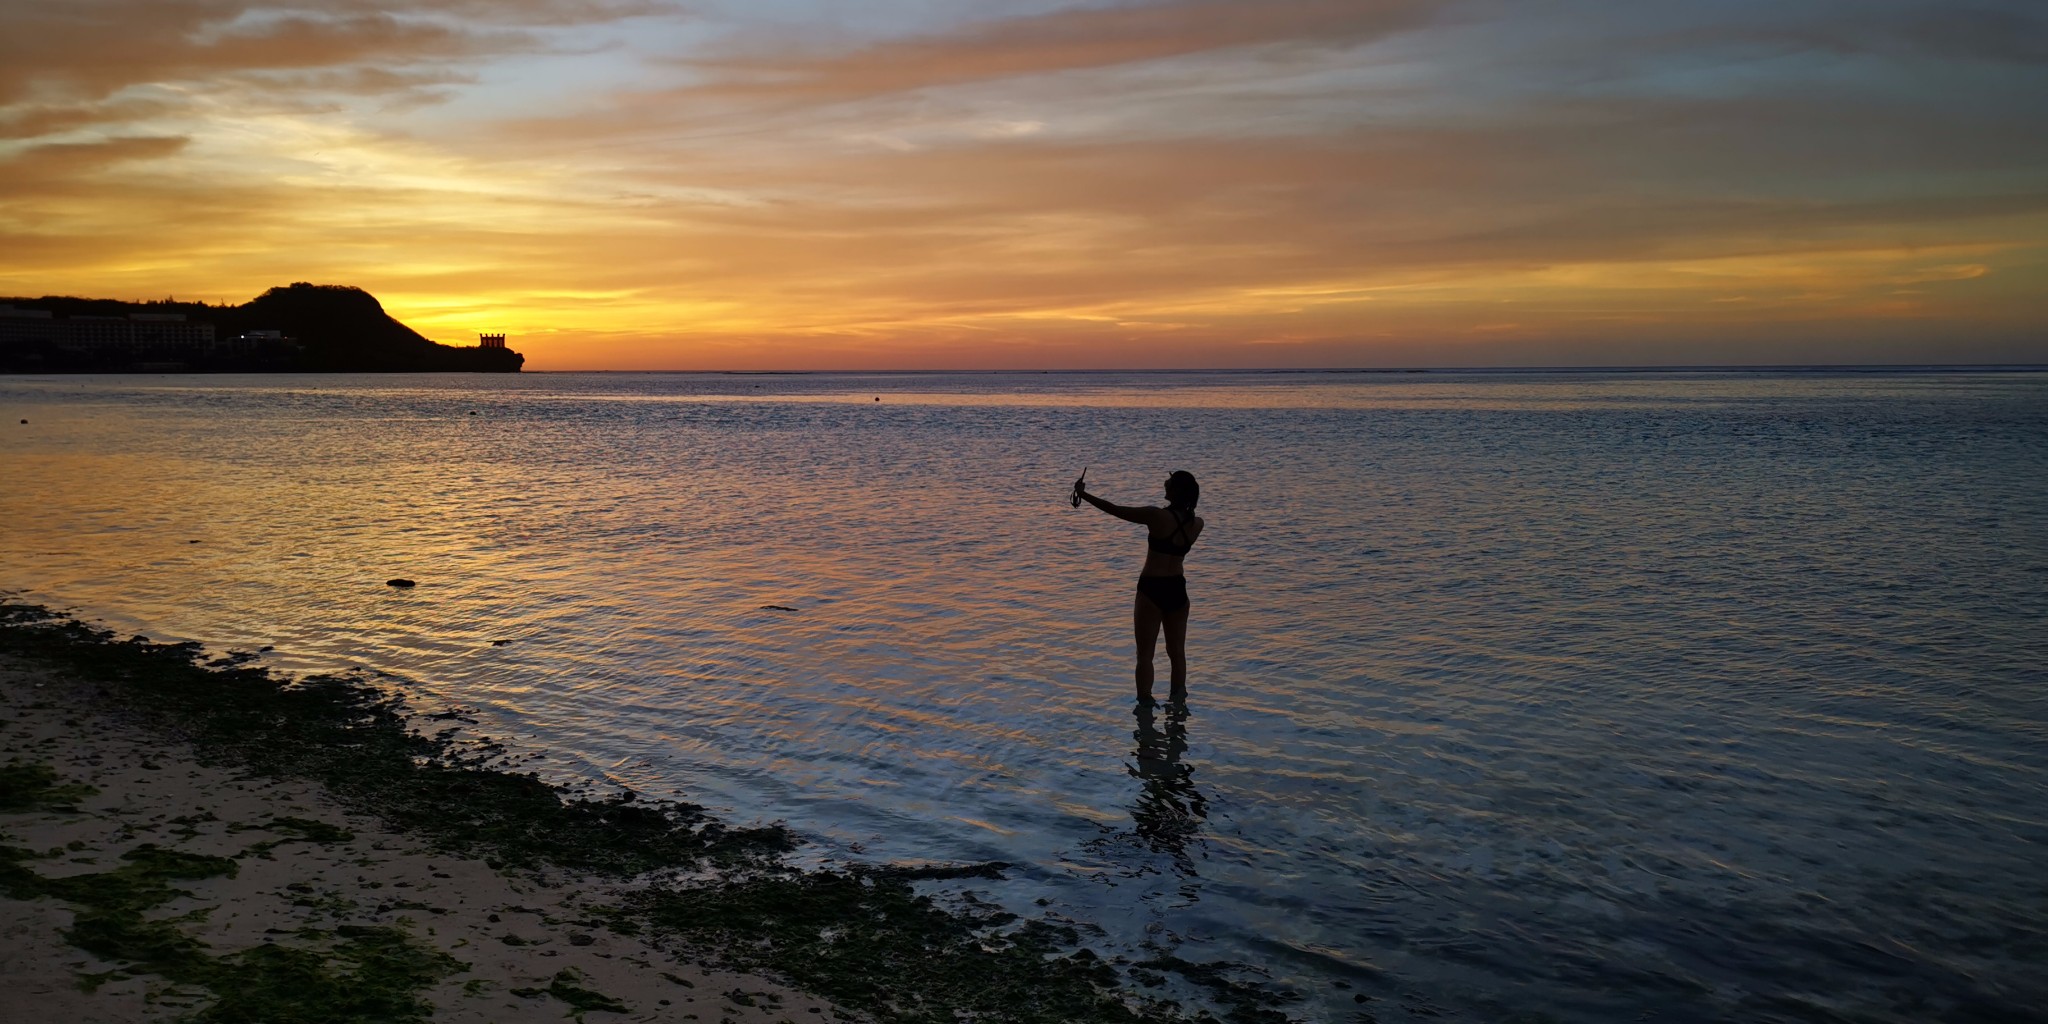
{"x": 1187, "y": 183}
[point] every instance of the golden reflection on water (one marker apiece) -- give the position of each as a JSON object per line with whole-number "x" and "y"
{"x": 1560, "y": 390}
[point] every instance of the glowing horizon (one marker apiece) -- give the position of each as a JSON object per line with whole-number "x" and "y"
{"x": 640, "y": 184}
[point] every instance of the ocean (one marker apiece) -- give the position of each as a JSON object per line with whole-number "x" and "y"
{"x": 1600, "y": 696}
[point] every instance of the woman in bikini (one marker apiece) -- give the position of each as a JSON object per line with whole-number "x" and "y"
{"x": 1162, "y": 589}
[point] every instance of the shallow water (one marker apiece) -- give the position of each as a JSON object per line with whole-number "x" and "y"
{"x": 1697, "y": 695}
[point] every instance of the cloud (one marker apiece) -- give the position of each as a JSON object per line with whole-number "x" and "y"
{"x": 1966, "y": 32}
{"x": 1066, "y": 40}
{"x": 68, "y": 159}
{"x": 1942, "y": 272}
{"x": 73, "y": 53}
{"x": 65, "y": 65}
{"x": 30, "y": 122}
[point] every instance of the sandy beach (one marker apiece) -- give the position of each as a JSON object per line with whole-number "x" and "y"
{"x": 304, "y": 870}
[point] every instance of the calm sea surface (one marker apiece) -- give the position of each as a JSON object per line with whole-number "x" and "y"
{"x": 1609, "y": 696}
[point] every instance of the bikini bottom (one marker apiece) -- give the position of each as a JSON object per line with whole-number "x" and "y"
{"x": 1169, "y": 593}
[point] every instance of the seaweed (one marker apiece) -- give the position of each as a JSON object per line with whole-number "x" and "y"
{"x": 868, "y": 939}
{"x": 1243, "y": 1002}
{"x": 294, "y": 830}
{"x": 28, "y": 786}
{"x": 364, "y": 975}
{"x": 109, "y": 922}
{"x": 309, "y": 830}
{"x": 581, "y": 1000}
{"x": 353, "y": 975}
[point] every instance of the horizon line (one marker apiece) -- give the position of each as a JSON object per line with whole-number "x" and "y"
{"x": 1525, "y": 368}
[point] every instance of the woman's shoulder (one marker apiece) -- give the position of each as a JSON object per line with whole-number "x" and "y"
{"x": 1161, "y": 516}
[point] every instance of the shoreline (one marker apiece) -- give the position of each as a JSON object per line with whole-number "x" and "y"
{"x": 385, "y": 926}
{"x": 182, "y": 838}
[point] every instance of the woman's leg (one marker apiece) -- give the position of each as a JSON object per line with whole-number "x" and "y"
{"x": 1176, "y": 623}
{"x": 1145, "y": 623}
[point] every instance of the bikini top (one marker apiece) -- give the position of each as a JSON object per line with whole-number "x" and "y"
{"x": 1165, "y": 545}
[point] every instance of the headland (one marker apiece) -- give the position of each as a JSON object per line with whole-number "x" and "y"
{"x": 298, "y": 328}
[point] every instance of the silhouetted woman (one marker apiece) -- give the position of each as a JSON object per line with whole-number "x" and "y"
{"x": 1162, "y": 589}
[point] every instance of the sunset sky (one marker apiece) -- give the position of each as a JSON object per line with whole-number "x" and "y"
{"x": 711, "y": 184}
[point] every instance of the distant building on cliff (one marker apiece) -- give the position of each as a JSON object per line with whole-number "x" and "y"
{"x": 26, "y": 328}
{"x": 37, "y": 339}
{"x": 304, "y": 328}
{"x": 135, "y": 336}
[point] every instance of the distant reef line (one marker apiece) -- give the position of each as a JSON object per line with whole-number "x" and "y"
{"x": 298, "y": 328}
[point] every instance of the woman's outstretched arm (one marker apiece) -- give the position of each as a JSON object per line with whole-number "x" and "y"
{"x": 1127, "y": 513}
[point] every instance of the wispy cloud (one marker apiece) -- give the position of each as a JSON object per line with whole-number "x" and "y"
{"x": 66, "y": 160}
{"x": 1060, "y": 41}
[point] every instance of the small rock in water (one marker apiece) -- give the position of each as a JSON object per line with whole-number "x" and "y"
{"x": 777, "y": 608}
{"x": 400, "y": 582}
{"x": 191, "y": 542}
{"x": 499, "y": 643}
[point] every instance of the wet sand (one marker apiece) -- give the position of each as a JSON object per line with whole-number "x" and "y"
{"x": 295, "y": 881}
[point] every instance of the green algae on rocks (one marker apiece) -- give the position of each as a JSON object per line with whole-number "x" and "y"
{"x": 347, "y": 976}
{"x": 869, "y": 940}
{"x": 872, "y": 942}
{"x": 29, "y": 786}
{"x": 110, "y": 904}
{"x": 581, "y": 1000}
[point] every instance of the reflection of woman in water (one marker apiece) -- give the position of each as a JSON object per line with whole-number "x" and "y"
{"x": 1162, "y": 589}
{"x": 1170, "y": 811}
